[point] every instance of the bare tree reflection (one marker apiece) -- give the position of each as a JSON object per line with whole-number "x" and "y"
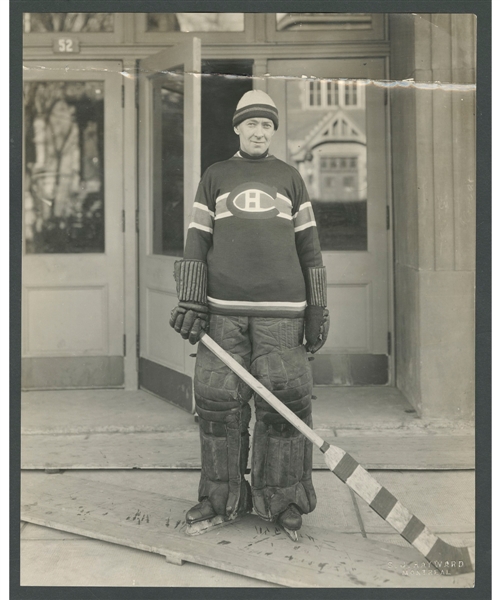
{"x": 64, "y": 175}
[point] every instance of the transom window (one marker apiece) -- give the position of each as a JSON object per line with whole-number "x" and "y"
{"x": 69, "y": 22}
{"x": 326, "y": 93}
{"x": 187, "y": 22}
{"x": 138, "y": 27}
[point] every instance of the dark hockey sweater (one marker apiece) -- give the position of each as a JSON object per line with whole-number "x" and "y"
{"x": 253, "y": 224}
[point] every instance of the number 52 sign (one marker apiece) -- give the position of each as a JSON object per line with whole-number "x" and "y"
{"x": 66, "y": 45}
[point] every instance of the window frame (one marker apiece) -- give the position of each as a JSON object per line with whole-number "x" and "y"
{"x": 142, "y": 36}
{"x": 378, "y": 32}
{"x": 96, "y": 39}
{"x": 113, "y": 163}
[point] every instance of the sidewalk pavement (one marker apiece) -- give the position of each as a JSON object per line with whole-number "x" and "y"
{"x": 443, "y": 500}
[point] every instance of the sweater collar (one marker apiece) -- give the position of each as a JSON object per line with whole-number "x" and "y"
{"x": 243, "y": 154}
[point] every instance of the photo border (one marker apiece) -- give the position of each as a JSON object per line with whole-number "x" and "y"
{"x": 482, "y": 8}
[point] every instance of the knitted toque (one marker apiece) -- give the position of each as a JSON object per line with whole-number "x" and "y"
{"x": 255, "y": 103}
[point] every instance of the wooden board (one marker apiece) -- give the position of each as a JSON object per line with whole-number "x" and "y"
{"x": 444, "y": 501}
{"x": 411, "y": 452}
{"x": 250, "y": 547}
{"x": 173, "y": 450}
{"x": 181, "y": 450}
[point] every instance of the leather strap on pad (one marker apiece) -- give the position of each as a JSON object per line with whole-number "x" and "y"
{"x": 316, "y": 286}
{"x": 191, "y": 280}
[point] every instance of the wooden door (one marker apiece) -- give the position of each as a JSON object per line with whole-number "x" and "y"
{"x": 333, "y": 130}
{"x": 72, "y": 292}
{"x": 169, "y": 172}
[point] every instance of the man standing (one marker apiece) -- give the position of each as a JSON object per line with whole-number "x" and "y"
{"x": 253, "y": 275}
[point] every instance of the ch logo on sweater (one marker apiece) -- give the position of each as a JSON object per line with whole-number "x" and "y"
{"x": 253, "y": 200}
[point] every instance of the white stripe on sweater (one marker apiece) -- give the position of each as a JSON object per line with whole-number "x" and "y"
{"x": 304, "y": 206}
{"x": 224, "y": 215}
{"x": 203, "y": 207}
{"x": 228, "y": 303}
{"x": 305, "y": 226}
{"x": 202, "y": 227}
{"x": 222, "y": 197}
{"x": 284, "y": 198}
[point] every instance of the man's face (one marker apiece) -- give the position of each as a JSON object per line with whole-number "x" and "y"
{"x": 255, "y": 135}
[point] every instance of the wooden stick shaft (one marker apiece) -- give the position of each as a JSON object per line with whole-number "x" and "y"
{"x": 262, "y": 391}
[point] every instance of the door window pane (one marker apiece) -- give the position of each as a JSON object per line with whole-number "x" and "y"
{"x": 64, "y": 166}
{"x": 322, "y": 21}
{"x": 168, "y": 163}
{"x": 222, "y": 85}
{"x": 327, "y": 144}
{"x": 186, "y": 22}
{"x": 69, "y": 22}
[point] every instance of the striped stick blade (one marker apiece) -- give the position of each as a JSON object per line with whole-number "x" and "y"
{"x": 446, "y": 559}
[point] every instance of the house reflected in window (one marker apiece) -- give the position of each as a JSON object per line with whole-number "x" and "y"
{"x": 326, "y": 123}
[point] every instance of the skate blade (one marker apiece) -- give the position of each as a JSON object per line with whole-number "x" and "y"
{"x": 203, "y": 526}
{"x": 292, "y": 534}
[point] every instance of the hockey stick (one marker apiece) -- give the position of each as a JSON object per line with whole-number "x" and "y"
{"x": 448, "y": 559}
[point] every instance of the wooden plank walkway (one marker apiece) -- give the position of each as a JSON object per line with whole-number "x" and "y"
{"x": 180, "y": 450}
{"x": 155, "y": 523}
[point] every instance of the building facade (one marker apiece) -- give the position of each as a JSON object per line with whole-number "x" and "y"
{"x": 124, "y": 111}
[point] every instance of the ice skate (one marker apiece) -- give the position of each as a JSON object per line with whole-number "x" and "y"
{"x": 291, "y": 521}
{"x": 202, "y": 517}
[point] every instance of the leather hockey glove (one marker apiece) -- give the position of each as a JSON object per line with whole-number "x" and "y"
{"x": 190, "y": 316}
{"x": 317, "y": 317}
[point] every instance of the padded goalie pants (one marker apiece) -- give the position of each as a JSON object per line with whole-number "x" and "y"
{"x": 271, "y": 349}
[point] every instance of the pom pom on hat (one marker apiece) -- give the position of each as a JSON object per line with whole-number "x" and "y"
{"x": 255, "y": 103}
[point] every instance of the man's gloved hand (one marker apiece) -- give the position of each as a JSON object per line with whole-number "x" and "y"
{"x": 190, "y": 320}
{"x": 317, "y": 318}
{"x": 190, "y": 316}
{"x": 317, "y": 324}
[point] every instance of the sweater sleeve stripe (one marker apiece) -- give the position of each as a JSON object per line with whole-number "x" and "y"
{"x": 202, "y": 207}
{"x": 200, "y": 231}
{"x": 308, "y": 248}
{"x": 198, "y": 243}
{"x": 304, "y": 206}
{"x": 201, "y": 227}
{"x": 305, "y": 226}
{"x": 202, "y": 216}
{"x": 304, "y": 217}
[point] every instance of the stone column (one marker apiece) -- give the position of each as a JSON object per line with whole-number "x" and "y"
{"x": 433, "y": 149}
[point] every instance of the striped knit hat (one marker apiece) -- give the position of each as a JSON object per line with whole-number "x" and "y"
{"x": 255, "y": 103}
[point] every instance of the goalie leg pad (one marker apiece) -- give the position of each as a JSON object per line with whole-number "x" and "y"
{"x": 224, "y": 414}
{"x": 281, "y": 471}
{"x": 224, "y": 456}
{"x": 282, "y": 457}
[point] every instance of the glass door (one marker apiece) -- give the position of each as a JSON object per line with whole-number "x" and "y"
{"x": 72, "y": 294}
{"x": 169, "y": 172}
{"x": 333, "y": 130}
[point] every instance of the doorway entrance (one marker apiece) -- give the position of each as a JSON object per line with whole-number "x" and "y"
{"x": 186, "y": 126}
{"x": 333, "y": 130}
{"x": 72, "y": 279}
